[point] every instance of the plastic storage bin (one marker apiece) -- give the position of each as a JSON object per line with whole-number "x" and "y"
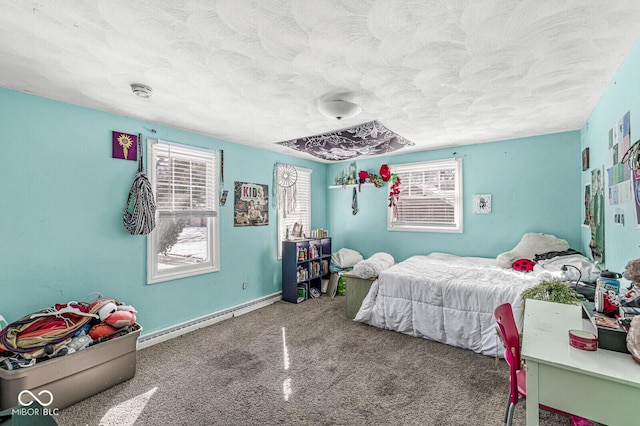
{"x": 74, "y": 377}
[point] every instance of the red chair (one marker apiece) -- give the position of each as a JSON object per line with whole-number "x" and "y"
{"x": 517, "y": 375}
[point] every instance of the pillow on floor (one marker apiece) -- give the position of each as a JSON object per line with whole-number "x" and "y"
{"x": 531, "y": 244}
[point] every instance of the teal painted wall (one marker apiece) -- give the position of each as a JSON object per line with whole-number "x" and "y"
{"x": 534, "y": 183}
{"x": 61, "y": 231}
{"x": 622, "y": 243}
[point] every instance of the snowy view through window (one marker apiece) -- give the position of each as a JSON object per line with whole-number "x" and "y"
{"x": 190, "y": 248}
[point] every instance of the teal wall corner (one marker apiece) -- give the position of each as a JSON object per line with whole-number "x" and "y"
{"x": 534, "y": 183}
{"x": 621, "y": 241}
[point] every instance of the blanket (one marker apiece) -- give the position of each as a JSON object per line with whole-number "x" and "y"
{"x": 447, "y": 298}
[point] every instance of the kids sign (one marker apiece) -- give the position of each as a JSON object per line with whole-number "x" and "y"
{"x": 252, "y": 191}
{"x": 251, "y": 206}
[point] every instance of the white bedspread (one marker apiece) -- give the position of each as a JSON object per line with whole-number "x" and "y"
{"x": 447, "y": 298}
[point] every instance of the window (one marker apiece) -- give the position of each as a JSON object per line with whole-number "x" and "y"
{"x": 430, "y": 197}
{"x": 299, "y": 212}
{"x": 185, "y": 241}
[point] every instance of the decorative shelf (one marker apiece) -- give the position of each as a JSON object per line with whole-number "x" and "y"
{"x": 350, "y": 186}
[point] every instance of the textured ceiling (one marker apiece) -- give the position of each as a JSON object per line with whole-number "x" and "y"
{"x": 440, "y": 73}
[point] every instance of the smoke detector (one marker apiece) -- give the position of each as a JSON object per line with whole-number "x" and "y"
{"x": 141, "y": 90}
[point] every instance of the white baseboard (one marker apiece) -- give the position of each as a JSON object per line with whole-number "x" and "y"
{"x": 176, "y": 330}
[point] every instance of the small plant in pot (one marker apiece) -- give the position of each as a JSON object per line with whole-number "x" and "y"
{"x": 552, "y": 290}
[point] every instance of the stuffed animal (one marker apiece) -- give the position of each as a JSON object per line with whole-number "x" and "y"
{"x": 633, "y": 339}
{"x": 113, "y": 317}
{"x": 101, "y": 330}
{"x": 524, "y": 265}
{"x": 632, "y": 295}
{"x": 632, "y": 271}
{"x": 117, "y": 316}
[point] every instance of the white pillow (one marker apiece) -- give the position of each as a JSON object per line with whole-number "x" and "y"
{"x": 372, "y": 266}
{"x": 346, "y": 258}
{"x": 530, "y": 245}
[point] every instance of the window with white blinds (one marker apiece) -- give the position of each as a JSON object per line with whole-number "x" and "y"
{"x": 185, "y": 241}
{"x": 430, "y": 197}
{"x": 302, "y": 212}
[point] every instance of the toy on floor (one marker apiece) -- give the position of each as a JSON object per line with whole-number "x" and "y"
{"x": 117, "y": 316}
{"x": 113, "y": 317}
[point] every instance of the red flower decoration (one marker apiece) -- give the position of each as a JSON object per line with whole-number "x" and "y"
{"x": 385, "y": 173}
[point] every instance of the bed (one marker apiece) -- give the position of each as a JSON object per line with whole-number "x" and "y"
{"x": 450, "y": 299}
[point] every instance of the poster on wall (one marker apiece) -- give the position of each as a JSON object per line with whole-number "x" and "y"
{"x": 587, "y": 205}
{"x": 482, "y": 203}
{"x": 251, "y": 206}
{"x": 597, "y": 215}
{"x": 124, "y": 146}
{"x": 619, "y": 176}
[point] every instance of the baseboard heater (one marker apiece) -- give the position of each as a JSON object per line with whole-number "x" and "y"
{"x": 179, "y": 329}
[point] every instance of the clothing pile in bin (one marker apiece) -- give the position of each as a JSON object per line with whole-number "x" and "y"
{"x": 63, "y": 329}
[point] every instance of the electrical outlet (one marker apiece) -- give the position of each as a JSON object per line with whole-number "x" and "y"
{"x": 244, "y": 285}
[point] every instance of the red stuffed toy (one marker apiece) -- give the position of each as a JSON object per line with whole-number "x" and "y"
{"x": 524, "y": 265}
{"x": 113, "y": 317}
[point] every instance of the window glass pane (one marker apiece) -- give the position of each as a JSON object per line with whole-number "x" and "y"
{"x": 182, "y": 241}
{"x": 430, "y": 197}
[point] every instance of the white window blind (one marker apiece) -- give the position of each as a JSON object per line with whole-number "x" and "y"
{"x": 302, "y": 212}
{"x": 186, "y": 181}
{"x": 430, "y": 197}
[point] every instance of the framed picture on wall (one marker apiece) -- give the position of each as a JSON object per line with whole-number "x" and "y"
{"x": 296, "y": 231}
{"x": 482, "y": 203}
{"x": 585, "y": 159}
{"x": 587, "y": 205}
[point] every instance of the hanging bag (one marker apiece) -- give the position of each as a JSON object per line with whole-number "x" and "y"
{"x": 139, "y": 215}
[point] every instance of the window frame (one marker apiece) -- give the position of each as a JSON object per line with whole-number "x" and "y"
{"x": 282, "y": 224}
{"x": 155, "y": 274}
{"x": 434, "y": 165}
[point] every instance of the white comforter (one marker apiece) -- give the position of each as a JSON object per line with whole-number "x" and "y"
{"x": 447, "y": 298}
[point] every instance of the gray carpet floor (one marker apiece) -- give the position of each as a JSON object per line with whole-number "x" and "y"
{"x": 305, "y": 364}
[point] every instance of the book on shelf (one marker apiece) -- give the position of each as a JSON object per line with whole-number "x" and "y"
{"x": 302, "y": 292}
{"x": 315, "y": 269}
{"x": 319, "y": 233}
{"x": 605, "y": 321}
{"x": 302, "y": 274}
{"x": 325, "y": 266}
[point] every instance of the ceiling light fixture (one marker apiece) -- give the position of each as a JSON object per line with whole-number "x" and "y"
{"x": 339, "y": 109}
{"x": 141, "y": 90}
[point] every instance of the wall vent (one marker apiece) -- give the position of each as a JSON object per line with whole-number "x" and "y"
{"x": 179, "y": 329}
